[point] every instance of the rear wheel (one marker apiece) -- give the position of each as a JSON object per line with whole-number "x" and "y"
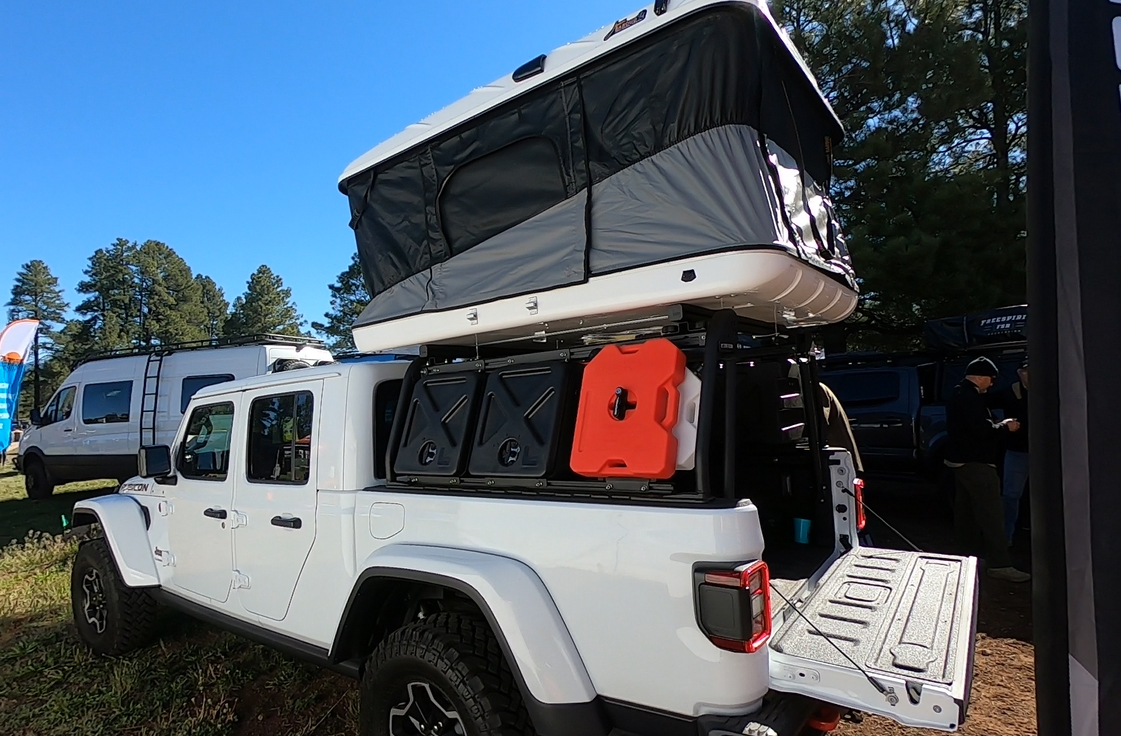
{"x": 443, "y": 676}
{"x": 36, "y": 481}
{"x": 111, "y": 618}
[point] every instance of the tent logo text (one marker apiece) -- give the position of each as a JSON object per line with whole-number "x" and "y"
{"x": 625, "y": 23}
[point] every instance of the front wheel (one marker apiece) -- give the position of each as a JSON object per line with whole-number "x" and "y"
{"x": 443, "y": 676}
{"x": 111, "y": 618}
{"x": 36, "y": 481}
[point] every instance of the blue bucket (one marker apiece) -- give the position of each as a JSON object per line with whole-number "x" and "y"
{"x": 802, "y": 531}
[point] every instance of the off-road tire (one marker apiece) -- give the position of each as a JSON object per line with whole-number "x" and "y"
{"x": 36, "y": 481}
{"x": 456, "y": 656}
{"x": 125, "y": 618}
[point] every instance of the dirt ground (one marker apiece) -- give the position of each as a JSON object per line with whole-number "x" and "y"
{"x": 1003, "y": 699}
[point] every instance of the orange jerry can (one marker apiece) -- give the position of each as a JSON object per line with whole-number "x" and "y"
{"x": 628, "y": 408}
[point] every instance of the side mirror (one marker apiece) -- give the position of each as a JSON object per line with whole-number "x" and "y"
{"x": 36, "y": 418}
{"x": 154, "y": 461}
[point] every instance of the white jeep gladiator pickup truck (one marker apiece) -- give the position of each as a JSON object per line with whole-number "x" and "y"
{"x": 631, "y": 537}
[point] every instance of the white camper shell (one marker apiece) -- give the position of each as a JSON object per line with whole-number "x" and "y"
{"x": 680, "y": 156}
{"x": 113, "y": 404}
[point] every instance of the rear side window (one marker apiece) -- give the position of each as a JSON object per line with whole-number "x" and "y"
{"x": 280, "y": 438}
{"x": 205, "y": 452}
{"x": 385, "y": 407}
{"x": 499, "y": 190}
{"x": 106, "y": 403}
{"x": 192, "y": 384}
{"x": 865, "y": 388}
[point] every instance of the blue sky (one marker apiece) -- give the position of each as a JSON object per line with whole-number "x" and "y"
{"x": 221, "y": 128}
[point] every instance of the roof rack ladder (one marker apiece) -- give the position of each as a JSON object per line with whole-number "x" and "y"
{"x": 150, "y": 399}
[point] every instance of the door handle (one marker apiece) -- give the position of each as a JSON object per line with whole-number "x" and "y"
{"x": 293, "y": 523}
{"x": 215, "y": 513}
{"x": 68, "y": 429}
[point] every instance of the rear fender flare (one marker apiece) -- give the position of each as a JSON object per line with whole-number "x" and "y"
{"x": 126, "y": 530}
{"x": 516, "y": 604}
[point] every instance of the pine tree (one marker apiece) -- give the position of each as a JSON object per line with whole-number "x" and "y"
{"x": 265, "y": 308}
{"x": 930, "y": 180}
{"x": 349, "y": 296}
{"x": 139, "y": 295}
{"x": 36, "y": 295}
{"x": 111, "y": 310}
{"x": 214, "y": 302}
{"x": 170, "y": 307}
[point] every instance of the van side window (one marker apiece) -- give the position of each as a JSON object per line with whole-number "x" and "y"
{"x": 192, "y": 384}
{"x": 106, "y": 403}
{"x": 385, "y": 406}
{"x": 66, "y": 403}
{"x": 205, "y": 452}
{"x": 61, "y": 406}
{"x": 280, "y": 438}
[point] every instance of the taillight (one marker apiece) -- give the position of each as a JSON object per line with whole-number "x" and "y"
{"x": 858, "y": 486}
{"x": 734, "y": 607}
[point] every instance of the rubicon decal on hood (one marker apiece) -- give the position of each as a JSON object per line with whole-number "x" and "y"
{"x": 141, "y": 488}
{"x": 625, "y": 23}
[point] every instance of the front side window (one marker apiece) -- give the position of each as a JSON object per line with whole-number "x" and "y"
{"x": 106, "y": 403}
{"x": 60, "y": 407}
{"x": 280, "y": 438}
{"x": 66, "y": 403}
{"x": 192, "y": 384}
{"x": 205, "y": 452}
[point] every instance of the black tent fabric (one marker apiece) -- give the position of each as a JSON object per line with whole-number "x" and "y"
{"x": 1075, "y": 296}
{"x": 705, "y": 135}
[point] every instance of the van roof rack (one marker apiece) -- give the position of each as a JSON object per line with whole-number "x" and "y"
{"x": 219, "y": 342}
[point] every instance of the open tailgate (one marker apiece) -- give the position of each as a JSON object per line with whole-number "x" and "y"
{"x": 908, "y": 619}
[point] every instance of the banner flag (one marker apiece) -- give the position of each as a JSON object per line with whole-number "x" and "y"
{"x": 15, "y": 344}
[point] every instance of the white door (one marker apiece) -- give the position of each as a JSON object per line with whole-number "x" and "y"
{"x": 55, "y": 434}
{"x": 277, "y": 496}
{"x": 201, "y": 519}
{"x": 106, "y": 428}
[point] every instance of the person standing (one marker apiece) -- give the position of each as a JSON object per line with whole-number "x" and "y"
{"x": 973, "y": 447}
{"x": 838, "y": 429}
{"x": 1013, "y": 401}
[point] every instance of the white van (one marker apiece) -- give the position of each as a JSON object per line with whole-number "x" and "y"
{"x": 111, "y": 405}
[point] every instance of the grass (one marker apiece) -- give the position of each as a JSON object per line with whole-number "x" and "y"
{"x": 194, "y": 681}
{"x": 20, "y": 515}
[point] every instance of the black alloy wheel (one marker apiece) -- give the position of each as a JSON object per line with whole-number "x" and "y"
{"x": 442, "y": 676}
{"x": 111, "y": 618}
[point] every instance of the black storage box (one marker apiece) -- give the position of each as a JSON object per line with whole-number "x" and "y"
{"x": 525, "y": 421}
{"x": 437, "y": 430}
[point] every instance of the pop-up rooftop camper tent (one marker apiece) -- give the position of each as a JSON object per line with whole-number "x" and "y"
{"x": 680, "y": 156}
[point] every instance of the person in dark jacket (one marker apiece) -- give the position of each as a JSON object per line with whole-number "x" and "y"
{"x": 1013, "y": 401}
{"x": 838, "y": 429}
{"x": 973, "y": 445}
